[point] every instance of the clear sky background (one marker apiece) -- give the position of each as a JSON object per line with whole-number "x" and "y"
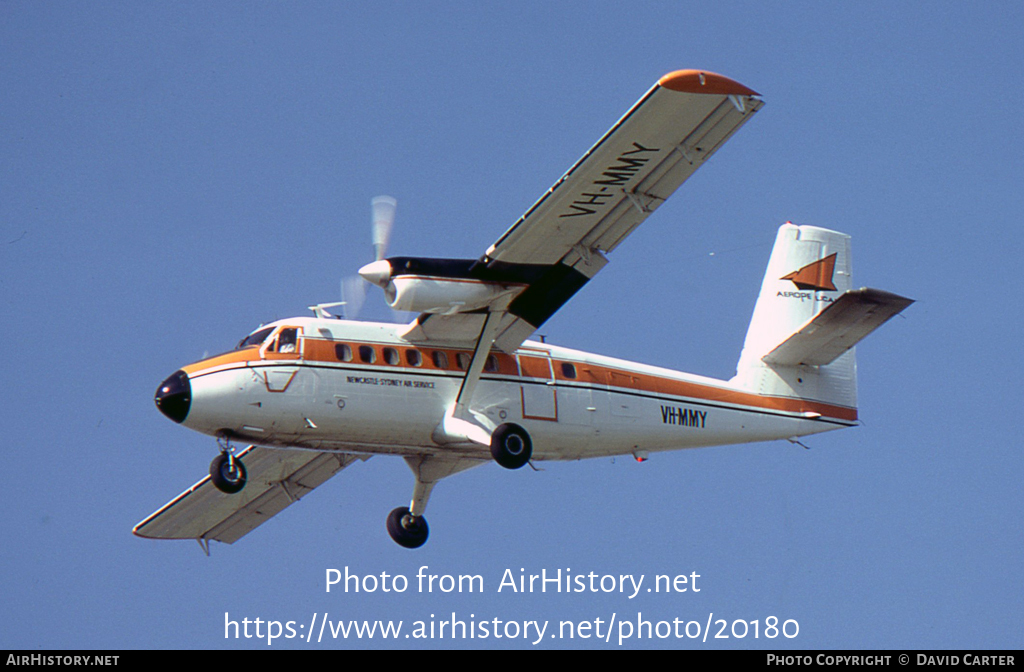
{"x": 174, "y": 174}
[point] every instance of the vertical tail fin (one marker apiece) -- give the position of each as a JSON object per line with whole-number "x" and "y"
{"x": 807, "y": 320}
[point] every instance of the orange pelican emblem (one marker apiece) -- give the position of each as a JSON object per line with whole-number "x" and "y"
{"x": 816, "y": 275}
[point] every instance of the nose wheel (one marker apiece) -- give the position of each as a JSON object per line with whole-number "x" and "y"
{"x": 406, "y": 529}
{"x": 227, "y": 473}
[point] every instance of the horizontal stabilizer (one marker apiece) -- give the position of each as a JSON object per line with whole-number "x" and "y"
{"x": 276, "y": 479}
{"x": 836, "y": 329}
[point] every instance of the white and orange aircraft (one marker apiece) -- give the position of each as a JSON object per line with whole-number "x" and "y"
{"x": 309, "y": 396}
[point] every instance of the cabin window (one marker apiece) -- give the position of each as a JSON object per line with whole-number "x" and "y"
{"x": 491, "y": 364}
{"x": 391, "y": 357}
{"x": 568, "y": 370}
{"x": 463, "y": 360}
{"x": 343, "y": 352}
{"x": 413, "y": 357}
{"x": 440, "y": 359}
{"x": 367, "y": 354}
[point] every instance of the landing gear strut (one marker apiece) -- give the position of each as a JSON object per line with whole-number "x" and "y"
{"x": 406, "y": 525}
{"x": 406, "y": 529}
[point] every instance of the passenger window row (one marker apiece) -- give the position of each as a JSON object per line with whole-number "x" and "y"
{"x": 368, "y": 355}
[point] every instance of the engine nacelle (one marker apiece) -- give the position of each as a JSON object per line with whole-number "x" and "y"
{"x": 421, "y": 285}
{"x": 419, "y": 294}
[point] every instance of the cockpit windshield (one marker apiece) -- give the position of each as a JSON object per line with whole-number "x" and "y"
{"x": 256, "y": 338}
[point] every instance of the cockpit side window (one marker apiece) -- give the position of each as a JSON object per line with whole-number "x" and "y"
{"x": 287, "y": 340}
{"x": 255, "y": 338}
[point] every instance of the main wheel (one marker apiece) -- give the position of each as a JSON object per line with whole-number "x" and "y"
{"x": 226, "y": 479}
{"x": 511, "y": 446}
{"x": 406, "y": 529}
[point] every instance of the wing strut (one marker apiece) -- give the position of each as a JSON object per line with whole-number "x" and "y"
{"x": 457, "y": 425}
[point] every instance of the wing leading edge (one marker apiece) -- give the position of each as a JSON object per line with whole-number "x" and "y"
{"x": 563, "y": 238}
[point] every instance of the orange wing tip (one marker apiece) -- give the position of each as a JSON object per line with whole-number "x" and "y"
{"x": 702, "y": 81}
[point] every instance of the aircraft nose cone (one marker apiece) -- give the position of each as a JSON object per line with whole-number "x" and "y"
{"x": 174, "y": 396}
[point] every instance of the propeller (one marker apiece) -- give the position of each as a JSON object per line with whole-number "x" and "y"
{"x": 383, "y": 208}
{"x": 353, "y": 288}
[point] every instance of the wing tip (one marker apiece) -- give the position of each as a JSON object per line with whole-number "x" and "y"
{"x": 702, "y": 81}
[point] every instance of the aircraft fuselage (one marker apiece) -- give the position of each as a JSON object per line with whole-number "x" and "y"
{"x": 357, "y": 387}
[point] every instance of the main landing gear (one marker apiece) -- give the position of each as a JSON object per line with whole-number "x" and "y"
{"x": 227, "y": 471}
{"x": 511, "y": 446}
{"x": 406, "y": 529}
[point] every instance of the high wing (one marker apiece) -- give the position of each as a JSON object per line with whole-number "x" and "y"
{"x": 276, "y": 479}
{"x": 560, "y": 243}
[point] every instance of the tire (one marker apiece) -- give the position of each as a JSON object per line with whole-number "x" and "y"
{"x": 511, "y": 446}
{"x": 226, "y": 480}
{"x": 411, "y": 535}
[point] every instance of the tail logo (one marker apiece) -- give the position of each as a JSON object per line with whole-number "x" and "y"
{"x": 816, "y": 275}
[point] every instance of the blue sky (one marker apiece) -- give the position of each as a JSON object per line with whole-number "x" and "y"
{"x": 174, "y": 174}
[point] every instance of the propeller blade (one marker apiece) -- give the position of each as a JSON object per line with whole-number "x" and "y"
{"x": 353, "y": 294}
{"x": 353, "y": 288}
{"x": 383, "y": 208}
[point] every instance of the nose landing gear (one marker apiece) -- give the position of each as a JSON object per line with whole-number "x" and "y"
{"x": 227, "y": 474}
{"x": 227, "y": 471}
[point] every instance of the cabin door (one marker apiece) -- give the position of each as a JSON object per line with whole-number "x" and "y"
{"x": 537, "y": 387}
